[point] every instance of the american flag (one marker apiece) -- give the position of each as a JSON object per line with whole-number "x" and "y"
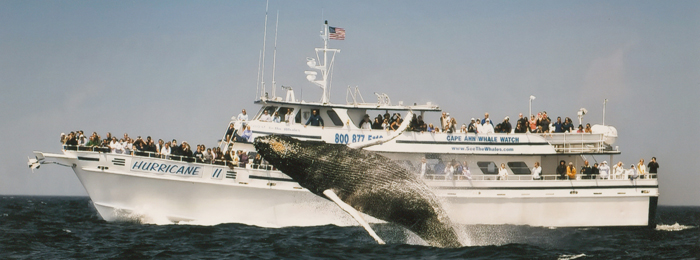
{"x": 336, "y": 33}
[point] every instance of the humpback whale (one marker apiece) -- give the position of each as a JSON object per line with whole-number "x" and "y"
{"x": 360, "y": 180}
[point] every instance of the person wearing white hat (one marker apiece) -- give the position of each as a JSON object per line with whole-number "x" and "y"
{"x": 479, "y": 126}
{"x": 604, "y": 170}
{"x": 488, "y": 127}
{"x": 472, "y": 126}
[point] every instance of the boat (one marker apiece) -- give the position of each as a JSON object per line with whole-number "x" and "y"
{"x": 177, "y": 189}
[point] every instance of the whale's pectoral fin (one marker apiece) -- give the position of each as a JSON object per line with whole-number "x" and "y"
{"x": 354, "y": 213}
{"x": 392, "y": 136}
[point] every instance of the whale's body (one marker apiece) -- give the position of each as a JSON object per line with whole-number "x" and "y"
{"x": 367, "y": 181}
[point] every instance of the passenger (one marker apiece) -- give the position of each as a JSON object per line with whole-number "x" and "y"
{"x": 641, "y": 168}
{"x": 385, "y": 124}
{"x": 533, "y": 123}
{"x": 423, "y": 167}
{"x": 243, "y": 116}
{"x": 199, "y": 154}
{"x": 276, "y": 117}
{"x": 366, "y": 124}
{"x": 257, "y": 161}
{"x": 208, "y": 156}
{"x": 536, "y": 171}
{"x": 571, "y": 171}
{"x": 502, "y": 171}
{"x": 588, "y": 129}
{"x": 315, "y": 120}
{"x": 568, "y": 126}
{"x": 521, "y": 120}
{"x": 604, "y": 170}
{"x": 186, "y": 151}
{"x": 431, "y": 128}
{"x": 247, "y": 135}
{"x": 421, "y": 124}
{"x": 218, "y": 154}
{"x": 151, "y": 147}
{"x": 486, "y": 119}
{"x": 450, "y": 170}
{"x": 174, "y": 148}
{"x": 377, "y": 125}
{"x": 235, "y": 160}
{"x": 488, "y": 126}
{"x": 632, "y": 172}
{"x": 465, "y": 170}
{"x": 521, "y": 127}
{"x": 439, "y": 167}
{"x": 128, "y": 146}
{"x": 288, "y": 117}
{"x": 108, "y": 138}
{"x": 653, "y": 165}
{"x": 160, "y": 146}
{"x": 561, "y": 169}
{"x": 452, "y": 128}
{"x": 463, "y": 129}
{"x": 82, "y": 140}
{"x": 580, "y": 129}
{"x": 412, "y": 125}
{"x": 165, "y": 151}
{"x": 243, "y": 158}
{"x": 63, "y": 138}
{"x": 229, "y": 132}
{"x": 444, "y": 120}
{"x": 71, "y": 139}
{"x": 265, "y": 117}
{"x": 595, "y": 171}
{"x": 618, "y": 169}
{"x": 472, "y": 126}
{"x": 558, "y": 126}
{"x": 115, "y": 146}
{"x": 479, "y": 126}
{"x": 139, "y": 144}
{"x": 94, "y": 140}
{"x": 396, "y": 124}
{"x": 544, "y": 122}
{"x": 585, "y": 169}
{"x": 506, "y": 127}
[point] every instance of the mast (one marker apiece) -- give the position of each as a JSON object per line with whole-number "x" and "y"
{"x": 262, "y": 74}
{"x": 274, "y": 57}
{"x": 325, "y": 67}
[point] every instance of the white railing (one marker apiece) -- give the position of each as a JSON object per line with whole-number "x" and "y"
{"x": 443, "y": 177}
{"x": 576, "y": 143}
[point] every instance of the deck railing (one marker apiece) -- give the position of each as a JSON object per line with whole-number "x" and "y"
{"x": 443, "y": 177}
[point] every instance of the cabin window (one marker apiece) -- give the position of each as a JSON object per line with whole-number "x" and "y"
{"x": 519, "y": 168}
{"x": 297, "y": 118}
{"x": 334, "y": 117}
{"x": 488, "y": 167}
{"x": 283, "y": 111}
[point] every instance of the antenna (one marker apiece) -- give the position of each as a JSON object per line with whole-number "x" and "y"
{"x": 274, "y": 57}
{"x": 257, "y": 80}
{"x": 262, "y": 74}
{"x": 605, "y": 103}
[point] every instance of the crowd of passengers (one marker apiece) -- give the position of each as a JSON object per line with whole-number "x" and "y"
{"x": 161, "y": 149}
{"x": 565, "y": 172}
{"x": 540, "y": 123}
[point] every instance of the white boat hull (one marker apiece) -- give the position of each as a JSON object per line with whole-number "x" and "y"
{"x": 269, "y": 199}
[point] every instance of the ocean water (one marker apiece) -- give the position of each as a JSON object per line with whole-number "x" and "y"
{"x": 70, "y": 228}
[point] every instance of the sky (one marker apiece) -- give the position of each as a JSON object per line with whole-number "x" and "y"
{"x": 181, "y": 69}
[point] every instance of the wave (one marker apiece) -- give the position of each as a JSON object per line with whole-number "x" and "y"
{"x": 674, "y": 227}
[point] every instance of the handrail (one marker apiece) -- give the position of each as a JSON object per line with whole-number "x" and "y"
{"x": 443, "y": 177}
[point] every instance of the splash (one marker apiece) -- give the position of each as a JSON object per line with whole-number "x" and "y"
{"x": 674, "y": 227}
